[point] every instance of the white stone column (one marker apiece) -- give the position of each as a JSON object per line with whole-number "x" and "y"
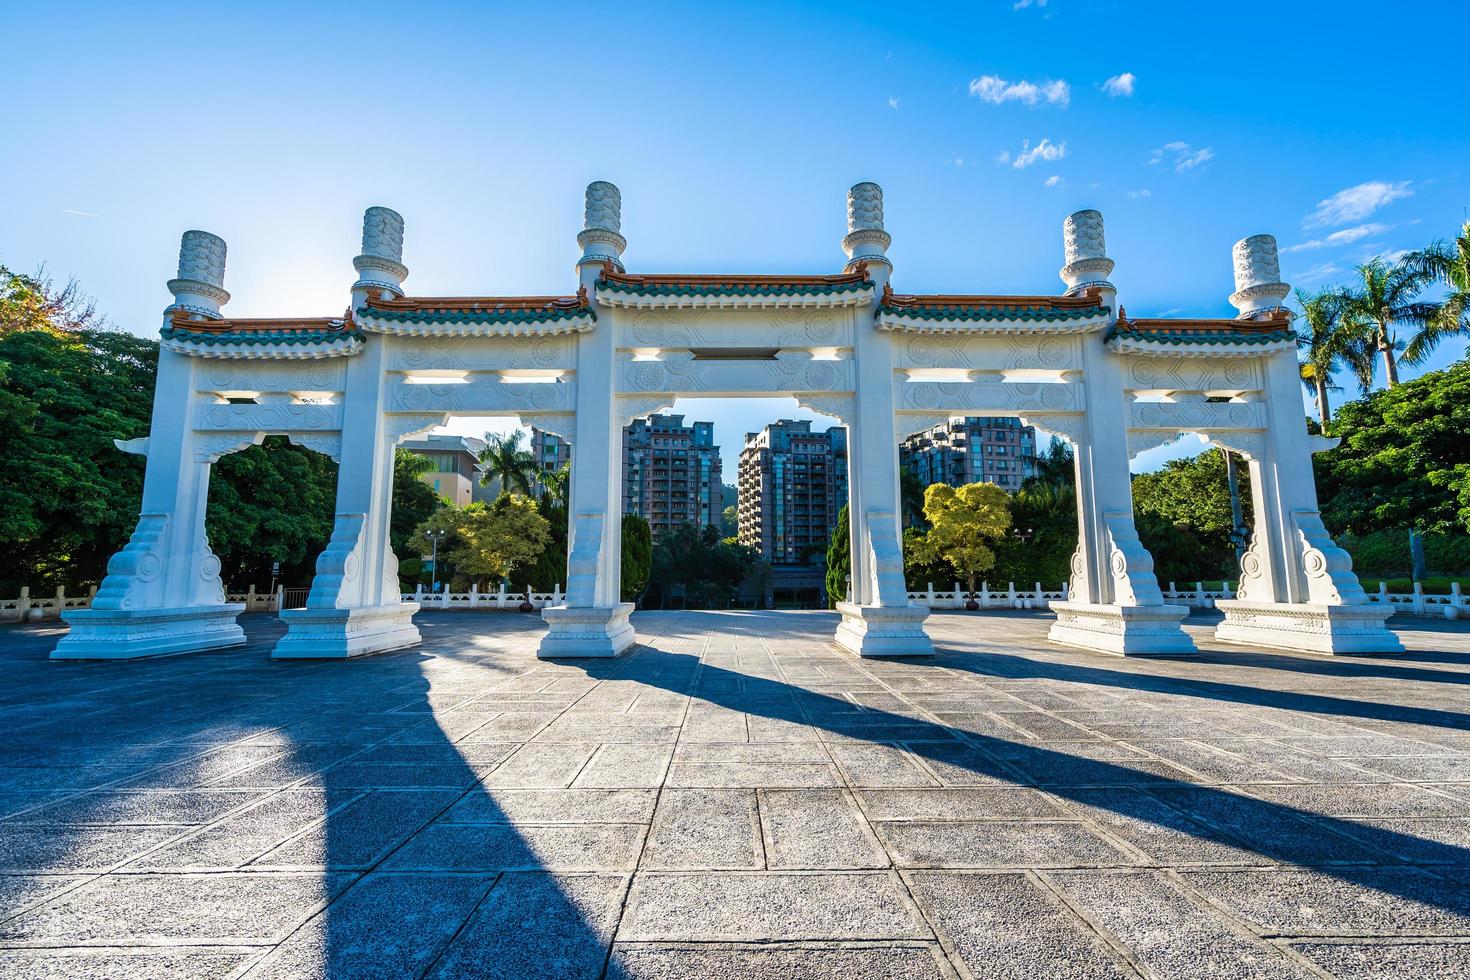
{"x": 163, "y": 594}
{"x": 593, "y": 621}
{"x": 880, "y": 621}
{"x": 1113, "y": 602}
{"x": 355, "y": 606}
{"x": 1297, "y": 589}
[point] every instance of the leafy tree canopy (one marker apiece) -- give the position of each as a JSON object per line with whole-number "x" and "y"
{"x": 839, "y": 559}
{"x": 964, "y": 524}
{"x": 1404, "y": 459}
{"x": 637, "y": 556}
{"x": 484, "y": 542}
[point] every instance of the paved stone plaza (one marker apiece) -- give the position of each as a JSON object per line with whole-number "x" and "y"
{"x": 737, "y": 798}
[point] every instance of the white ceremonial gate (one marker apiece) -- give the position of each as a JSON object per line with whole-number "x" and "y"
{"x": 625, "y": 345}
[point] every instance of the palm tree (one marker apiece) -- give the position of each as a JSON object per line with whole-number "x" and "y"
{"x": 504, "y": 459}
{"x": 557, "y": 484}
{"x": 1449, "y": 265}
{"x": 1324, "y": 343}
{"x": 1388, "y": 294}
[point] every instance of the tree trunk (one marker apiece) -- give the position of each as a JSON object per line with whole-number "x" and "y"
{"x": 1390, "y": 364}
{"x": 1324, "y": 412}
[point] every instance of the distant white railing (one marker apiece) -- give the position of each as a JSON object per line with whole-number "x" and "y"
{"x": 1417, "y": 603}
{"x": 1450, "y": 606}
{"x": 475, "y": 599}
{"x": 29, "y": 609}
{"x": 988, "y": 598}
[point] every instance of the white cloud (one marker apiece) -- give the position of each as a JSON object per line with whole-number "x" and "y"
{"x": 998, "y": 91}
{"x": 1317, "y": 272}
{"x": 892, "y": 103}
{"x": 959, "y": 161}
{"x": 79, "y": 214}
{"x": 1181, "y": 156}
{"x": 1004, "y": 156}
{"x": 1355, "y": 203}
{"x": 1052, "y": 181}
{"x": 1120, "y": 85}
{"x": 1344, "y": 237}
{"x": 1023, "y": 4}
{"x": 1141, "y": 192}
{"x": 1045, "y": 150}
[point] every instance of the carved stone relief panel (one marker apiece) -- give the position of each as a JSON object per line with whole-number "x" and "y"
{"x": 324, "y": 374}
{"x": 1192, "y": 374}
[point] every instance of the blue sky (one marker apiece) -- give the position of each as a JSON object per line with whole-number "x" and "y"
{"x": 733, "y": 132}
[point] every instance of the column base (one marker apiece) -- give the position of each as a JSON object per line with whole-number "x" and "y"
{"x": 132, "y": 634}
{"x": 1308, "y": 627}
{"x": 338, "y": 634}
{"x": 884, "y": 631}
{"x": 586, "y": 631}
{"x": 1124, "y": 631}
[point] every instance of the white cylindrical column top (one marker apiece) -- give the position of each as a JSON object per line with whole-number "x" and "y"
{"x": 1082, "y": 235}
{"x": 865, "y": 239}
{"x": 601, "y": 236}
{"x": 202, "y": 258}
{"x": 380, "y": 266}
{"x": 200, "y": 287}
{"x": 1085, "y": 251}
{"x": 1258, "y": 286}
{"x": 604, "y": 209}
{"x": 382, "y": 233}
{"x": 865, "y": 207}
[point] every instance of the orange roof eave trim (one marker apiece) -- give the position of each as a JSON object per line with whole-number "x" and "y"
{"x": 182, "y": 321}
{"x": 899, "y": 301}
{"x": 477, "y": 303}
{"x": 858, "y": 276}
{"x": 1144, "y": 324}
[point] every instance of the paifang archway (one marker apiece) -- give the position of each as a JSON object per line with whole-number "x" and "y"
{"x": 624, "y": 345}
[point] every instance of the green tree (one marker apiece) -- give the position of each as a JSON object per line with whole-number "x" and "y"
{"x": 270, "y": 503}
{"x": 414, "y": 502}
{"x": 1403, "y": 460}
{"x": 485, "y": 542}
{"x": 839, "y": 560}
{"x": 505, "y": 459}
{"x": 696, "y": 562}
{"x": 36, "y": 303}
{"x": 637, "y": 556}
{"x": 1449, "y": 265}
{"x": 964, "y": 524}
{"x": 1043, "y": 538}
{"x": 1055, "y": 466}
{"x": 68, "y": 497}
{"x": 1184, "y": 510}
{"x": 1325, "y": 345}
{"x": 1385, "y": 296}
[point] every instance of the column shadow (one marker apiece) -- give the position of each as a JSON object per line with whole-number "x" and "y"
{"x": 334, "y": 811}
{"x": 1347, "y": 851}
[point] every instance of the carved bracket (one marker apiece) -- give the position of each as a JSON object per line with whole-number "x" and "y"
{"x": 840, "y": 407}
{"x": 328, "y": 444}
{"x": 209, "y": 449}
{"x": 397, "y": 428}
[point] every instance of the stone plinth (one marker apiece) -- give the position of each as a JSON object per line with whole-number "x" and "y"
{"x": 133, "y": 634}
{"x": 586, "y": 631}
{"x": 1308, "y": 627}
{"x": 337, "y": 634}
{"x": 884, "y": 631}
{"x": 1125, "y": 631}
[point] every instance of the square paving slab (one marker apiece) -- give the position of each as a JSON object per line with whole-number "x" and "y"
{"x": 737, "y": 797}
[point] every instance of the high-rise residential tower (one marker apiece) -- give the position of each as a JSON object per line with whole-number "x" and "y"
{"x": 793, "y": 481}
{"x": 972, "y": 450}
